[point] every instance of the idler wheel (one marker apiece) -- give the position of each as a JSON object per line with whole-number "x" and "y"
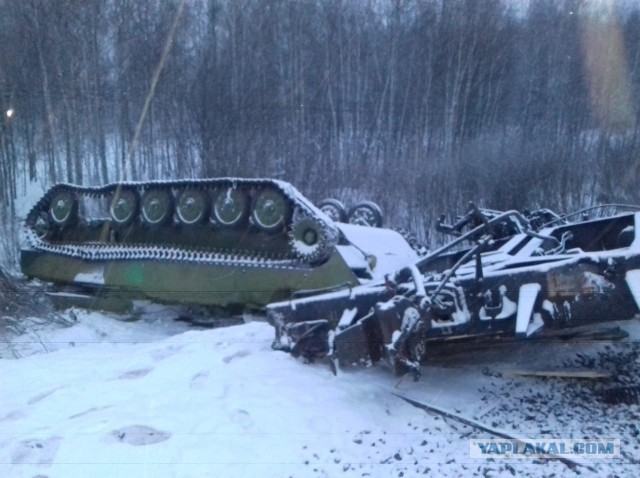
{"x": 307, "y": 238}
{"x": 366, "y": 213}
{"x": 64, "y": 208}
{"x": 124, "y": 206}
{"x": 231, "y": 207}
{"x": 42, "y": 226}
{"x": 192, "y": 206}
{"x": 157, "y": 206}
{"x": 270, "y": 210}
{"x": 334, "y": 209}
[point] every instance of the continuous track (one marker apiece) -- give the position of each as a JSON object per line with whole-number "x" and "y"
{"x": 245, "y": 222}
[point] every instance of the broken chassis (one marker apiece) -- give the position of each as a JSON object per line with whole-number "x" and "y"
{"x": 529, "y": 284}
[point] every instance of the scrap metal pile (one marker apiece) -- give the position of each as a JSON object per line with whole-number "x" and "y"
{"x": 348, "y": 292}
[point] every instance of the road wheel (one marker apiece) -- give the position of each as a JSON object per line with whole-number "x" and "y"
{"x": 366, "y": 213}
{"x": 231, "y": 207}
{"x": 271, "y": 210}
{"x": 192, "y": 206}
{"x": 124, "y": 206}
{"x": 157, "y": 206}
{"x": 64, "y": 208}
{"x": 334, "y": 209}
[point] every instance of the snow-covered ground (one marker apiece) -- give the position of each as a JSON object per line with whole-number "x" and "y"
{"x": 159, "y": 398}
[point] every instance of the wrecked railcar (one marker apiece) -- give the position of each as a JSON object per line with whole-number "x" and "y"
{"x": 534, "y": 279}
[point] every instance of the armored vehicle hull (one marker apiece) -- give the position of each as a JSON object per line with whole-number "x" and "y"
{"x": 226, "y": 242}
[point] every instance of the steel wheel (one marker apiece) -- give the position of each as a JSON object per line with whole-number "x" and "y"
{"x": 366, "y": 213}
{"x": 192, "y": 206}
{"x": 64, "y": 208}
{"x": 270, "y": 210}
{"x": 231, "y": 207}
{"x": 157, "y": 206}
{"x": 334, "y": 209}
{"x": 124, "y": 206}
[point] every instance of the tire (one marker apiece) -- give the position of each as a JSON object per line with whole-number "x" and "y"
{"x": 366, "y": 213}
{"x": 333, "y": 208}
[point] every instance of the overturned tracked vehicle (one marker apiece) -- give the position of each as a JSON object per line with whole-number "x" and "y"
{"x": 215, "y": 242}
{"x": 503, "y": 274}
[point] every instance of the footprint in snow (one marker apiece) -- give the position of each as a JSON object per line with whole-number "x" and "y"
{"x": 138, "y": 435}
{"x": 198, "y": 380}
{"x": 166, "y": 352}
{"x": 133, "y": 374}
{"x": 42, "y": 396}
{"x": 238, "y": 354}
{"x": 88, "y": 411}
{"x": 36, "y": 451}
{"x": 14, "y": 415}
{"x": 242, "y": 418}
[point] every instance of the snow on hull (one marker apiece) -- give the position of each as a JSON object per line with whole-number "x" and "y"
{"x": 390, "y": 249}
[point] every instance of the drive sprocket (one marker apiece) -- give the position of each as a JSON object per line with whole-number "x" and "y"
{"x": 310, "y": 241}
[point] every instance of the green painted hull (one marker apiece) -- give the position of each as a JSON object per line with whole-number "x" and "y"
{"x": 188, "y": 283}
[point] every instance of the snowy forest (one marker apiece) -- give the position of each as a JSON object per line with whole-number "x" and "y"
{"x": 419, "y": 105}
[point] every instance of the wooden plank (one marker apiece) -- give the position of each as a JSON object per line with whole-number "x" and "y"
{"x": 586, "y": 374}
{"x": 481, "y": 426}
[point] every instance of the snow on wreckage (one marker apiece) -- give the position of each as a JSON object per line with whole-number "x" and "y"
{"x": 503, "y": 273}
